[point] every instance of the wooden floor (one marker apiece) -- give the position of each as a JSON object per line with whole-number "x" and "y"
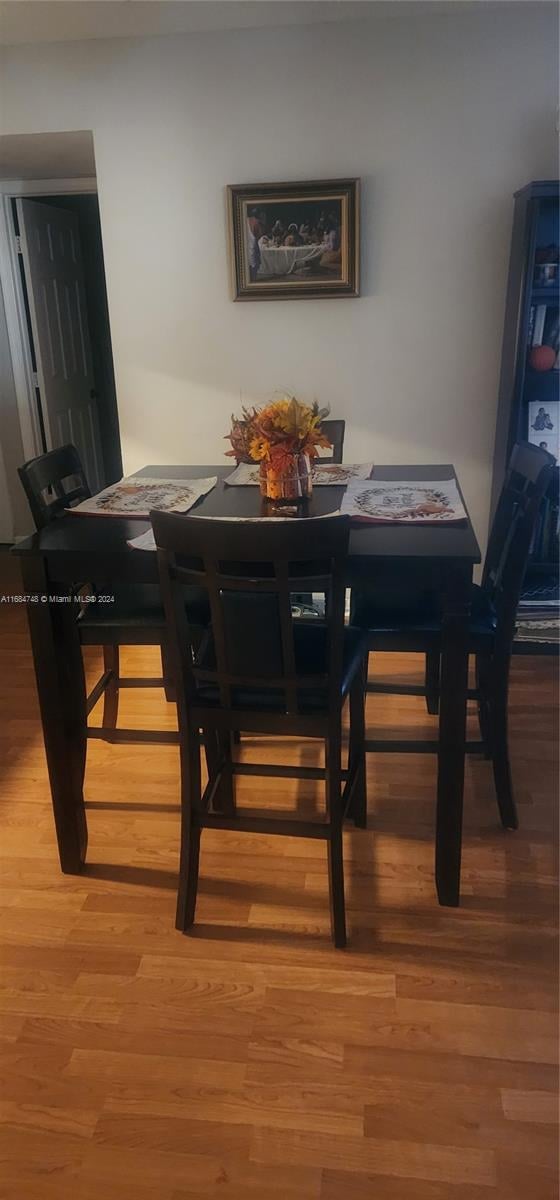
{"x": 251, "y": 1061}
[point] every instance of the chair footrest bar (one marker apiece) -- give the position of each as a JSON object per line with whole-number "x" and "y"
{"x": 396, "y": 746}
{"x": 159, "y": 736}
{"x": 400, "y": 746}
{"x": 395, "y": 689}
{"x": 280, "y": 772}
{"x": 248, "y": 824}
{"x": 405, "y": 689}
{"x": 143, "y": 681}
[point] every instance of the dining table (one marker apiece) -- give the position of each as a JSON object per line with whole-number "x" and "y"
{"x": 77, "y": 547}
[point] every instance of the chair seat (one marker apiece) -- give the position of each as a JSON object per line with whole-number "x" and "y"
{"x": 139, "y": 606}
{"x": 419, "y": 620}
{"x": 310, "y": 649}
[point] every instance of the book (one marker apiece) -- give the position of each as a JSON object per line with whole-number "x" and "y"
{"x": 538, "y": 326}
{"x": 551, "y": 329}
{"x": 531, "y": 328}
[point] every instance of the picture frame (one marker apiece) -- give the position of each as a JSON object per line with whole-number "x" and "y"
{"x": 294, "y": 241}
{"x": 544, "y": 426}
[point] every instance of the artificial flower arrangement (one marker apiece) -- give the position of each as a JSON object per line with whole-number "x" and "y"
{"x": 283, "y": 437}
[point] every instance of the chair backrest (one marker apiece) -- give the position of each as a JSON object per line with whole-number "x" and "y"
{"x": 53, "y": 482}
{"x": 249, "y": 570}
{"x": 334, "y": 430}
{"x": 529, "y": 474}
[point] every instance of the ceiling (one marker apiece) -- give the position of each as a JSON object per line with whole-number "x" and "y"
{"x": 24, "y": 21}
{"x": 47, "y": 156}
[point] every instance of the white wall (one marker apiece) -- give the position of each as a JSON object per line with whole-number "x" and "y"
{"x": 442, "y": 116}
{"x": 15, "y": 519}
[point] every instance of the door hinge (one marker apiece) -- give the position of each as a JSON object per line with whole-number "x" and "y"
{"x": 35, "y": 379}
{"x": 18, "y": 244}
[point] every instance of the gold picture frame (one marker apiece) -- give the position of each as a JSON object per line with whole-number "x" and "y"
{"x": 294, "y": 241}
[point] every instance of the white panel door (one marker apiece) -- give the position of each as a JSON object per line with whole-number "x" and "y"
{"x": 52, "y": 256}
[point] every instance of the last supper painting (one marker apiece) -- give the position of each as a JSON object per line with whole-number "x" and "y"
{"x": 294, "y": 240}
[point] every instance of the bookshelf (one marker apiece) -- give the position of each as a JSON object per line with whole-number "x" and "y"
{"x": 529, "y": 394}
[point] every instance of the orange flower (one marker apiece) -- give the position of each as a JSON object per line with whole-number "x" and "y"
{"x": 278, "y": 431}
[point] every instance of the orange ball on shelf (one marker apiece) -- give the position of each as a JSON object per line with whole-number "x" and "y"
{"x": 542, "y": 358}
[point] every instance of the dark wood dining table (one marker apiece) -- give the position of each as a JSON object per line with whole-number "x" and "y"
{"x": 78, "y": 548}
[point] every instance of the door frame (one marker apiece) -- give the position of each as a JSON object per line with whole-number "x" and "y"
{"x": 10, "y": 282}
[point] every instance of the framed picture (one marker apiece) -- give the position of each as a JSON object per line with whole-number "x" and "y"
{"x": 294, "y": 241}
{"x": 544, "y": 429}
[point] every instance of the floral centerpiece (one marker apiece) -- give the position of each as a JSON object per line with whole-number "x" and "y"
{"x": 283, "y": 437}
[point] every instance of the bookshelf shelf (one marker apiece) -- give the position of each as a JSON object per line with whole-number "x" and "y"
{"x": 529, "y": 399}
{"x": 548, "y": 295}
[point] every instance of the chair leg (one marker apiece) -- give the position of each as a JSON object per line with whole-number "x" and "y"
{"x": 432, "y": 682}
{"x": 188, "y": 881}
{"x": 190, "y": 832}
{"x": 482, "y": 669}
{"x": 500, "y": 752}
{"x": 334, "y": 844}
{"x": 111, "y": 693}
{"x": 357, "y": 749}
{"x": 168, "y": 684}
{"x": 217, "y": 747}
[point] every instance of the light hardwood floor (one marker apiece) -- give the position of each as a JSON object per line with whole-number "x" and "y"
{"x": 251, "y": 1061}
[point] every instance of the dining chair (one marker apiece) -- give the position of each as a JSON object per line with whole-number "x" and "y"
{"x": 54, "y": 482}
{"x": 334, "y": 430}
{"x": 259, "y": 671}
{"x": 492, "y": 624}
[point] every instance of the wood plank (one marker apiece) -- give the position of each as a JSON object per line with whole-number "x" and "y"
{"x": 535, "y": 1107}
{"x": 370, "y": 1186}
{"x": 407, "y": 1160}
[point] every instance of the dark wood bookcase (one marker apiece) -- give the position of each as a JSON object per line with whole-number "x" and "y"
{"x": 529, "y": 395}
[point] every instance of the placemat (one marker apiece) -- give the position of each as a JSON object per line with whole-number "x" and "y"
{"x": 137, "y": 495}
{"x": 323, "y": 474}
{"x": 404, "y": 501}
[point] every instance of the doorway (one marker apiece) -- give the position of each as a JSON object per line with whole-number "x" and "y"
{"x": 85, "y": 209}
{"x": 57, "y": 316}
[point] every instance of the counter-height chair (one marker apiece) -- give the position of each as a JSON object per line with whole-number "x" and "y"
{"x": 54, "y": 482}
{"x": 334, "y": 430}
{"x": 259, "y": 671}
{"x": 492, "y": 624}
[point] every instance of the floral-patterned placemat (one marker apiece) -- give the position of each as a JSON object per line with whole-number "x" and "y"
{"x": 137, "y": 495}
{"x": 325, "y": 474}
{"x": 409, "y": 502}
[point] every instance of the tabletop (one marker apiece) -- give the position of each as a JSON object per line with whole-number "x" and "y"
{"x": 102, "y": 539}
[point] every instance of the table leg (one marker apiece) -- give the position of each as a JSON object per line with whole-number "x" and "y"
{"x": 60, "y": 680}
{"x": 452, "y": 734}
